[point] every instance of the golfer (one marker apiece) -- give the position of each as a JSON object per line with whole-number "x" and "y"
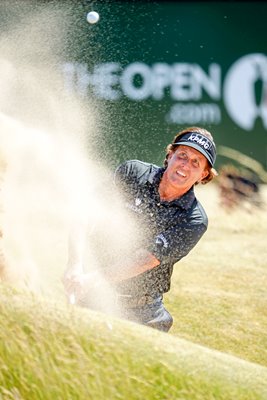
{"x": 163, "y": 199}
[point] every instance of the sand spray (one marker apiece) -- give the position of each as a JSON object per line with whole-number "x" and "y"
{"x": 50, "y": 172}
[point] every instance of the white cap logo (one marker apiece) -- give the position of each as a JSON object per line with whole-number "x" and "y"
{"x": 245, "y": 91}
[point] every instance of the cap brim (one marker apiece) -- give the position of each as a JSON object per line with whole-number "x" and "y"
{"x": 197, "y": 147}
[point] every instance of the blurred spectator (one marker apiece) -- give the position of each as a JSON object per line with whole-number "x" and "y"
{"x": 238, "y": 187}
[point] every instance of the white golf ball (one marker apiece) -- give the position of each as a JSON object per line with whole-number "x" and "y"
{"x": 92, "y": 17}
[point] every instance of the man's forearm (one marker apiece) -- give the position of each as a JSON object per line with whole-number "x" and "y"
{"x": 141, "y": 262}
{"x": 76, "y": 245}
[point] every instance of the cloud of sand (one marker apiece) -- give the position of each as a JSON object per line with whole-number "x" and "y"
{"x": 50, "y": 174}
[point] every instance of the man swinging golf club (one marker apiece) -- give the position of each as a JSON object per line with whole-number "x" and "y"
{"x": 163, "y": 199}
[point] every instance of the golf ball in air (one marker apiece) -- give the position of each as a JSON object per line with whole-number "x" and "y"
{"x": 92, "y": 17}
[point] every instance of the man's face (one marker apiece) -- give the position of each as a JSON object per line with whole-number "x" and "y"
{"x": 186, "y": 166}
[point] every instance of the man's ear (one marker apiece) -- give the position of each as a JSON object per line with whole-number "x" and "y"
{"x": 205, "y": 173}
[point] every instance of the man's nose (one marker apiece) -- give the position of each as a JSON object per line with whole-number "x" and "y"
{"x": 184, "y": 161}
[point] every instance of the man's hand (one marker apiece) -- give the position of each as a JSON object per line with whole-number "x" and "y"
{"x": 77, "y": 283}
{"x": 71, "y": 278}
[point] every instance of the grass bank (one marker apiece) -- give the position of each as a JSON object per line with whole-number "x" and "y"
{"x": 49, "y": 351}
{"x": 218, "y": 294}
{"x": 216, "y": 349}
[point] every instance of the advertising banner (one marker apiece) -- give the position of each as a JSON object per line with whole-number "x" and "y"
{"x": 152, "y": 68}
{"x": 157, "y": 67}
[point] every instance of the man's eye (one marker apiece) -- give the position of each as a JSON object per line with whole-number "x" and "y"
{"x": 182, "y": 155}
{"x": 195, "y": 163}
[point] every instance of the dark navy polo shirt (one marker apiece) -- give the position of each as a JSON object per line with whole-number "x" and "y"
{"x": 173, "y": 228}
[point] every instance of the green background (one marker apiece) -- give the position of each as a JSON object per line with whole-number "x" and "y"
{"x": 160, "y": 31}
{"x": 171, "y": 32}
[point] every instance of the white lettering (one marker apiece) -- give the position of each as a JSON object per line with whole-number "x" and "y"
{"x": 132, "y": 91}
{"x": 182, "y": 82}
{"x": 76, "y": 77}
{"x": 138, "y": 81}
{"x": 161, "y": 79}
{"x": 160, "y": 239}
{"x": 69, "y": 71}
{"x": 194, "y": 114}
{"x": 105, "y": 79}
{"x": 210, "y": 83}
{"x": 200, "y": 140}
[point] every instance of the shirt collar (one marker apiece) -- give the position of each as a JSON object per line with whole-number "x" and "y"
{"x": 185, "y": 201}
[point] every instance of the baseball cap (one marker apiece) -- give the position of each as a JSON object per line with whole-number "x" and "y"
{"x": 199, "y": 142}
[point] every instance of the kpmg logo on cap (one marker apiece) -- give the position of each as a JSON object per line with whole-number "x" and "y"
{"x": 200, "y": 140}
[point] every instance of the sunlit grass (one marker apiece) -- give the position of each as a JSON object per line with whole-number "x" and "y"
{"x": 218, "y": 294}
{"x": 216, "y": 349}
{"x": 51, "y": 351}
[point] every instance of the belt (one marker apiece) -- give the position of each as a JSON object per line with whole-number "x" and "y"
{"x": 131, "y": 302}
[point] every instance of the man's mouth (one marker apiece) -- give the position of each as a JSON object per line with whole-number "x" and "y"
{"x": 180, "y": 173}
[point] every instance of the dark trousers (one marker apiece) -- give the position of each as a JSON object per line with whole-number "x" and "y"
{"x": 146, "y": 310}
{"x": 153, "y": 314}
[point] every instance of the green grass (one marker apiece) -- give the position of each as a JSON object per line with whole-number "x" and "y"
{"x": 218, "y": 294}
{"x": 50, "y": 351}
{"x": 217, "y": 348}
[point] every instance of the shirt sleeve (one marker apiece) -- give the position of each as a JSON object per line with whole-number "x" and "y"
{"x": 123, "y": 175}
{"x": 175, "y": 243}
{"x": 119, "y": 173}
